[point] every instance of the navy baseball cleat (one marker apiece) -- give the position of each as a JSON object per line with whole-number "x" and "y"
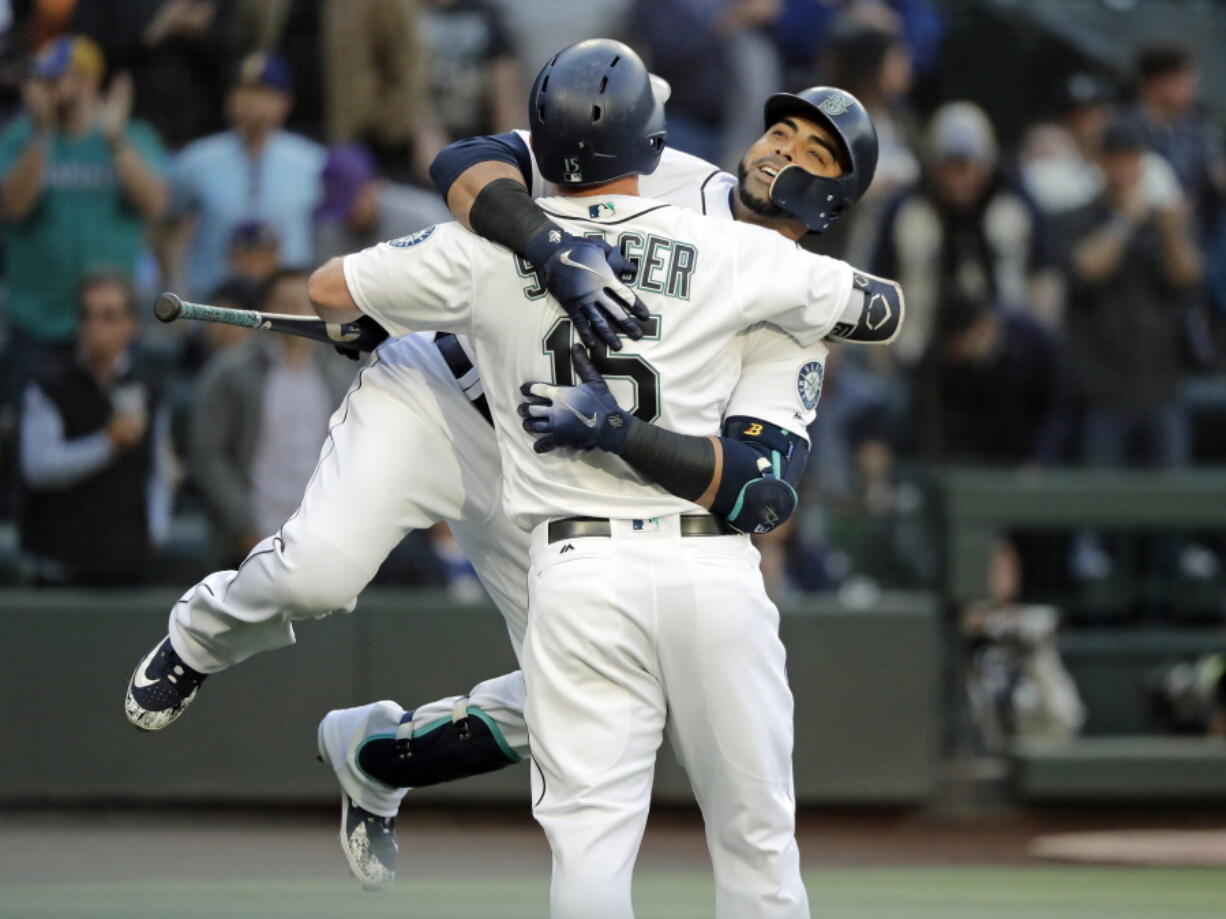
{"x": 160, "y": 688}
{"x": 370, "y": 846}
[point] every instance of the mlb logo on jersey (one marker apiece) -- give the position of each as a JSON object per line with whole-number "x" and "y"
{"x": 603, "y": 209}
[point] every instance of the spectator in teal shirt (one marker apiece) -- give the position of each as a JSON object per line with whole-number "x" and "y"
{"x": 256, "y": 171}
{"x": 79, "y": 183}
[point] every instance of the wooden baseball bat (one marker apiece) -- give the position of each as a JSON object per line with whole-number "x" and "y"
{"x": 362, "y": 335}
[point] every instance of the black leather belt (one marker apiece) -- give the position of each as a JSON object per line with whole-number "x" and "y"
{"x": 578, "y": 527}
{"x": 460, "y": 366}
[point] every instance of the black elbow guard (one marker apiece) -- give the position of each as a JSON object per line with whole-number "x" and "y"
{"x": 874, "y": 312}
{"x": 762, "y": 505}
{"x": 762, "y": 463}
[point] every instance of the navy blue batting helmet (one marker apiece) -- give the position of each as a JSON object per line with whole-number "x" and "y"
{"x": 596, "y": 115}
{"x": 816, "y": 200}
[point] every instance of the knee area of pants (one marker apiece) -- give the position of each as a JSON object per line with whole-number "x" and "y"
{"x": 312, "y": 594}
{"x": 316, "y": 584}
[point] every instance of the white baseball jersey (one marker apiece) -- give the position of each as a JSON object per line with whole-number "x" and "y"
{"x": 370, "y": 490}
{"x": 781, "y": 380}
{"x": 703, "y": 281}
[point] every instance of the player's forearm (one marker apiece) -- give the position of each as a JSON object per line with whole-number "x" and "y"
{"x": 683, "y": 465}
{"x": 463, "y": 169}
{"x": 23, "y": 186}
{"x": 329, "y": 293}
{"x": 505, "y": 213}
{"x": 144, "y": 188}
{"x": 465, "y": 190}
{"x": 747, "y": 477}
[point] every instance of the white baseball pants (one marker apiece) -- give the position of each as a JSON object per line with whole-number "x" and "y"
{"x": 405, "y": 449}
{"x": 627, "y": 635}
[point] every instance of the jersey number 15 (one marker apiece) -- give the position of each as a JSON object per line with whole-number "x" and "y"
{"x": 630, "y": 367}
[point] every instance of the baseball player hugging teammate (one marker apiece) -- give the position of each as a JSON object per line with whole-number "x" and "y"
{"x": 630, "y": 484}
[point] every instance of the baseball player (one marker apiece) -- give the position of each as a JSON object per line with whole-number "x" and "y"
{"x": 681, "y": 623}
{"x": 368, "y": 492}
{"x": 779, "y": 387}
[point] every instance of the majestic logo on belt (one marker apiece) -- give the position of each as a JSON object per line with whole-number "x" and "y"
{"x": 809, "y": 384}
{"x": 406, "y": 242}
{"x": 835, "y": 104}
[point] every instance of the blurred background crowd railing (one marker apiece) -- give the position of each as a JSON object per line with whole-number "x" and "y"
{"x": 1050, "y": 194}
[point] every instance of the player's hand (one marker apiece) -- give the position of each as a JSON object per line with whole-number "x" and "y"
{"x": 586, "y": 276}
{"x": 377, "y": 335}
{"x": 580, "y": 417}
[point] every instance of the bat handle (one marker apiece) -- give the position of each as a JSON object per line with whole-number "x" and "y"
{"x": 167, "y": 307}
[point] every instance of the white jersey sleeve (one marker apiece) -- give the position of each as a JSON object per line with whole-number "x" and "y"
{"x": 776, "y": 281}
{"x": 417, "y": 282}
{"x": 780, "y": 381}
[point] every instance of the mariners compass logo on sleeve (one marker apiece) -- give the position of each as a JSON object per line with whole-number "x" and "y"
{"x": 406, "y": 242}
{"x": 809, "y": 384}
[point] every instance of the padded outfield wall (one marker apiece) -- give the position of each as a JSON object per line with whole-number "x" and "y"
{"x": 867, "y": 686}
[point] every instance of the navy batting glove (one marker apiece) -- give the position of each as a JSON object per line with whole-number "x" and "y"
{"x": 580, "y": 417}
{"x": 377, "y": 335}
{"x": 586, "y": 277}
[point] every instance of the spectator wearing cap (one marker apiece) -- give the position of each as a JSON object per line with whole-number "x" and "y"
{"x": 360, "y": 209}
{"x": 1130, "y": 262}
{"x": 254, "y": 171}
{"x": 1059, "y": 162}
{"x": 94, "y": 448}
{"x": 1170, "y": 122}
{"x": 962, "y": 230}
{"x": 254, "y": 252}
{"x": 79, "y": 183}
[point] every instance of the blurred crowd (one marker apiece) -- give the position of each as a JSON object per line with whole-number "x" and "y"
{"x": 1064, "y": 293}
